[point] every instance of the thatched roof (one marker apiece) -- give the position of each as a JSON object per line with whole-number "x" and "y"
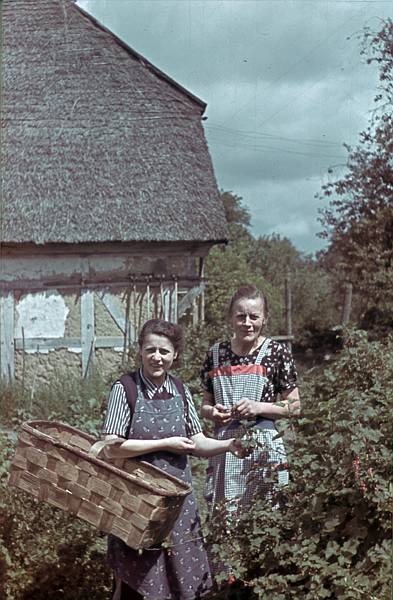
{"x": 97, "y": 144}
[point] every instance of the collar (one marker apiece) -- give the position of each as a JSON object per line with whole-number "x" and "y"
{"x": 151, "y": 387}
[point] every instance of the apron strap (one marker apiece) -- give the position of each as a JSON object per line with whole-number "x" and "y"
{"x": 130, "y": 381}
{"x": 262, "y": 351}
{"x": 215, "y": 351}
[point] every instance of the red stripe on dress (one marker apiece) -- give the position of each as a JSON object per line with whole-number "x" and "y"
{"x": 231, "y": 370}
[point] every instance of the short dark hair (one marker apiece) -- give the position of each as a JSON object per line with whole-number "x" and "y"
{"x": 172, "y": 331}
{"x": 248, "y": 292}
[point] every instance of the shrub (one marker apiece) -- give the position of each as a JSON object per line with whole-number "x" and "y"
{"x": 46, "y": 553}
{"x": 331, "y": 537}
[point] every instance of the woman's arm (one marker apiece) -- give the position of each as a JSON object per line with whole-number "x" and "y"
{"x": 288, "y": 406}
{"x": 215, "y": 412}
{"x": 206, "y": 446}
{"x": 130, "y": 448}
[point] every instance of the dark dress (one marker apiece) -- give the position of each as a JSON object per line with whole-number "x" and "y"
{"x": 180, "y": 571}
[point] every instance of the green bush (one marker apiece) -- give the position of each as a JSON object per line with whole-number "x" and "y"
{"x": 75, "y": 401}
{"x": 46, "y": 553}
{"x": 331, "y": 536}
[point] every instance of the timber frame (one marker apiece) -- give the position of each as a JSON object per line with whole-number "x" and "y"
{"x": 161, "y": 281}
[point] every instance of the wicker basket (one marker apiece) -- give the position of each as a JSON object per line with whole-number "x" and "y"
{"x": 138, "y": 503}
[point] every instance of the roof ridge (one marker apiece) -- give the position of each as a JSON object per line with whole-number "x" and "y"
{"x": 142, "y": 59}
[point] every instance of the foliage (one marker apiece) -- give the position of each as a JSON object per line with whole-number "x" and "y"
{"x": 39, "y": 545}
{"x": 75, "y": 401}
{"x": 331, "y": 536}
{"x": 358, "y": 221}
{"x": 266, "y": 262}
{"x": 227, "y": 269}
{"x": 235, "y": 211}
{"x": 314, "y": 303}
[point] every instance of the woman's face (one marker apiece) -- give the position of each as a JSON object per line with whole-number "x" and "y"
{"x": 158, "y": 354}
{"x": 247, "y": 319}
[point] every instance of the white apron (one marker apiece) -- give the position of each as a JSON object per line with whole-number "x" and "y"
{"x": 235, "y": 480}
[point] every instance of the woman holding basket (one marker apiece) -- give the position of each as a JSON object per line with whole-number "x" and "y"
{"x": 161, "y": 428}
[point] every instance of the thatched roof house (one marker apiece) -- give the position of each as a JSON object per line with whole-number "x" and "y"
{"x": 98, "y": 144}
{"x": 105, "y": 171}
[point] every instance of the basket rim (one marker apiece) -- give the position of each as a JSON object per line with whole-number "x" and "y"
{"x": 31, "y": 428}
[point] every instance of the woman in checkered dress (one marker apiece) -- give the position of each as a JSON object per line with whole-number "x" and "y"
{"x": 249, "y": 381}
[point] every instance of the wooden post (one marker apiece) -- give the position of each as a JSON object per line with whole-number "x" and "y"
{"x": 134, "y": 314}
{"x": 346, "y": 311}
{"x": 162, "y": 310}
{"x": 174, "y": 293}
{"x": 7, "y": 343}
{"x": 126, "y": 331}
{"x": 288, "y": 307}
{"x": 87, "y": 331}
{"x": 148, "y": 307}
{"x": 167, "y": 304}
{"x": 202, "y": 297}
{"x": 195, "y": 312}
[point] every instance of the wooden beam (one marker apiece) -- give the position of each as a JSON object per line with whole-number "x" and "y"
{"x": 288, "y": 308}
{"x": 7, "y": 346}
{"x": 74, "y": 344}
{"x": 87, "y": 331}
{"x": 174, "y": 295}
{"x": 68, "y": 343}
{"x": 188, "y": 300}
{"x": 346, "y": 310}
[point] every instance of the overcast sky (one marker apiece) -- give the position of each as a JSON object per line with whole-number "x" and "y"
{"x": 285, "y": 86}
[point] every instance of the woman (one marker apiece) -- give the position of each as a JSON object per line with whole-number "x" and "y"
{"x": 243, "y": 378}
{"x": 161, "y": 428}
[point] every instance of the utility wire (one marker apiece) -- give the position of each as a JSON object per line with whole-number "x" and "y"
{"x": 265, "y": 148}
{"x": 271, "y": 137}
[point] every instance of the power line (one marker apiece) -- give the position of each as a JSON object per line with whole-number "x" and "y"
{"x": 264, "y": 135}
{"x": 266, "y": 148}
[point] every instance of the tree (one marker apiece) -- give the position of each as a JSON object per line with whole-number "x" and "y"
{"x": 230, "y": 266}
{"x": 265, "y": 262}
{"x": 313, "y": 299}
{"x": 358, "y": 221}
{"x": 235, "y": 211}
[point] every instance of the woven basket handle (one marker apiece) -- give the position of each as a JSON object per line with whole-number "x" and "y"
{"x": 99, "y": 446}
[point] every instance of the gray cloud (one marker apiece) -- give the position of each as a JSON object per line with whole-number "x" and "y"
{"x": 285, "y": 86}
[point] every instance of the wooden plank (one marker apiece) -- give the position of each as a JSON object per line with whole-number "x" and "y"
{"x": 37, "y": 344}
{"x": 44, "y": 344}
{"x": 87, "y": 331}
{"x": 7, "y": 346}
{"x": 188, "y": 300}
{"x": 202, "y": 296}
{"x": 288, "y": 307}
{"x": 173, "y": 301}
{"x": 346, "y": 310}
{"x": 167, "y": 304}
{"x": 195, "y": 312}
{"x": 118, "y": 314}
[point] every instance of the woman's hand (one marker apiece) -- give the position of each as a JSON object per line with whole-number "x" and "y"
{"x": 246, "y": 409}
{"x": 220, "y": 414}
{"x": 178, "y": 445}
{"x": 237, "y": 449}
